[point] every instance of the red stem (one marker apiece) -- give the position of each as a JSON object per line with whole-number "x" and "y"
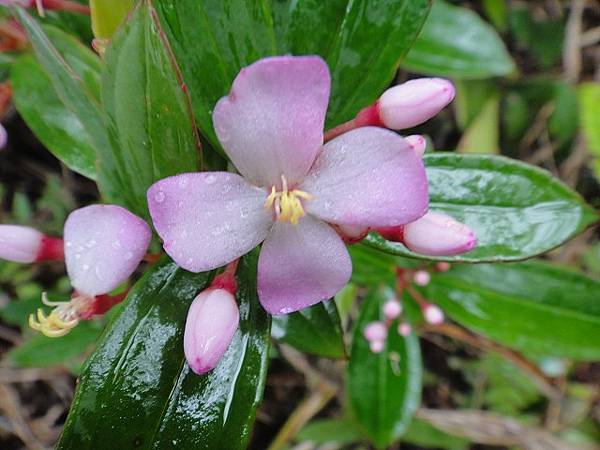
{"x": 51, "y": 249}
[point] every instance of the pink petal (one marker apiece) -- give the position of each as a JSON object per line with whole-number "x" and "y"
{"x": 300, "y": 265}
{"x": 369, "y": 177}
{"x": 271, "y": 124}
{"x": 208, "y": 219}
{"x": 104, "y": 244}
{"x": 20, "y": 244}
{"x": 212, "y": 321}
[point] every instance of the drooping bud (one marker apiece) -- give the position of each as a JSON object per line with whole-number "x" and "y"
{"x": 421, "y": 278}
{"x": 104, "y": 244}
{"x": 442, "y": 266}
{"x": 417, "y": 143}
{"x": 392, "y": 309}
{"x": 212, "y": 321}
{"x": 375, "y": 331}
{"x": 433, "y": 315}
{"x": 351, "y": 234}
{"x": 412, "y": 103}
{"x": 26, "y": 245}
{"x": 438, "y": 234}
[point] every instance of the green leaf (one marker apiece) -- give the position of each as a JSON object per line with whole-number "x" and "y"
{"x": 80, "y": 96}
{"x": 531, "y": 306}
{"x": 136, "y": 390}
{"x": 482, "y": 135}
{"x": 217, "y": 38}
{"x": 316, "y": 330}
{"x": 385, "y": 388}
{"x": 424, "y": 434}
{"x": 107, "y": 15}
{"x": 341, "y": 431}
{"x": 589, "y": 104}
{"x": 517, "y": 210}
{"x": 456, "y": 42}
{"x": 42, "y": 351}
{"x": 150, "y": 118}
{"x": 55, "y": 126}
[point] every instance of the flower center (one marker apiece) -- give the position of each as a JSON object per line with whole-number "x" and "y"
{"x": 287, "y": 203}
{"x": 64, "y": 317}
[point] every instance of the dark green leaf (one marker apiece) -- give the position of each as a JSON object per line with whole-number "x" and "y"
{"x": 384, "y": 388}
{"x": 456, "y": 42}
{"x": 516, "y": 210}
{"x": 362, "y": 41}
{"x": 57, "y": 127}
{"x": 136, "y": 390}
{"x": 150, "y": 118}
{"x": 315, "y": 330}
{"x": 530, "y": 306}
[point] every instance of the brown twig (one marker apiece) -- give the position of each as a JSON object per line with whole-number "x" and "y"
{"x": 572, "y": 44}
{"x": 452, "y": 331}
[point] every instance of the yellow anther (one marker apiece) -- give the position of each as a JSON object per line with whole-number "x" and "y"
{"x": 287, "y": 204}
{"x": 61, "y": 320}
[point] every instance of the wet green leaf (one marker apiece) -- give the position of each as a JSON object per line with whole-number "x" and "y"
{"x": 531, "y": 306}
{"x": 516, "y": 210}
{"x": 137, "y": 391}
{"x": 362, "y": 41}
{"x": 456, "y": 42}
{"x": 385, "y": 388}
{"x": 149, "y": 115}
{"x": 314, "y": 330}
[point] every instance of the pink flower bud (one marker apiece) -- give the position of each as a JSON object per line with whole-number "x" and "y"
{"x": 3, "y": 137}
{"x": 443, "y": 266}
{"x": 438, "y": 234}
{"x": 375, "y": 331}
{"x": 404, "y": 329}
{"x": 212, "y": 321}
{"x": 433, "y": 315}
{"x": 376, "y": 346}
{"x": 412, "y": 103}
{"x": 20, "y": 244}
{"x": 417, "y": 143}
{"x": 392, "y": 309}
{"x": 421, "y": 278}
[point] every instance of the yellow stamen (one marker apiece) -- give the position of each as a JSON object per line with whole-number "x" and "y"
{"x": 287, "y": 204}
{"x": 63, "y": 318}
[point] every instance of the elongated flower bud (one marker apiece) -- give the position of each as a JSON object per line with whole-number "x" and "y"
{"x": 26, "y": 245}
{"x": 438, "y": 234}
{"x": 412, "y": 103}
{"x": 212, "y": 321}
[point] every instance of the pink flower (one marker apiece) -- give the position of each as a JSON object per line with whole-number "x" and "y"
{"x": 104, "y": 244}
{"x": 212, "y": 321}
{"x": 292, "y": 188}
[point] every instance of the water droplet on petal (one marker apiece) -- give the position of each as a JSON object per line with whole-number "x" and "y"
{"x": 210, "y": 179}
{"x": 159, "y": 197}
{"x": 128, "y": 256}
{"x": 85, "y": 267}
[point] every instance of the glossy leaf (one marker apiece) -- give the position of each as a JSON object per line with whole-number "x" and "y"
{"x": 316, "y": 330}
{"x": 384, "y": 389}
{"x": 55, "y": 126}
{"x": 531, "y": 306}
{"x": 137, "y": 391}
{"x": 107, "y": 15}
{"x": 456, "y": 42}
{"x": 150, "y": 118}
{"x": 516, "y": 210}
{"x": 80, "y": 97}
{"x": 362, "y": 41}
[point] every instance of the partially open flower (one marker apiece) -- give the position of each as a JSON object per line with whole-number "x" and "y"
{"x": 26, "y": 245}
{"x": 290, "y": 189}
{"x": 212, "y": 321}
{"x": 104, "y": 244}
